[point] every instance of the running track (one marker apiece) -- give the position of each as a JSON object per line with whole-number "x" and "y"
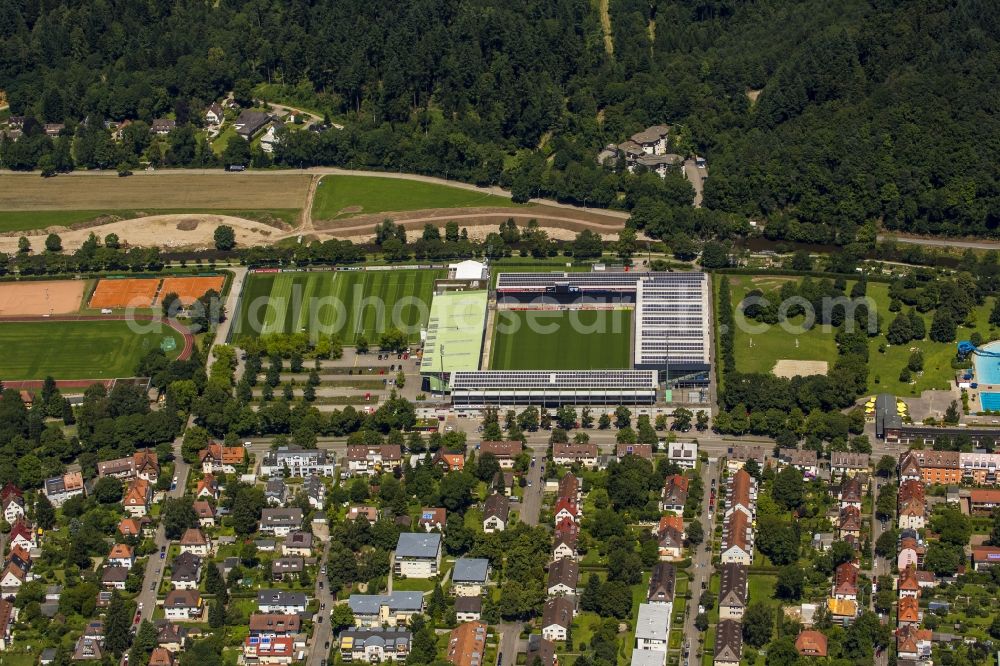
{"x": 185, "y": 352}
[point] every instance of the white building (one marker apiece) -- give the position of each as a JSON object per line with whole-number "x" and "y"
{"x": 683, "y": 454}
{"x": 418, "y": 555}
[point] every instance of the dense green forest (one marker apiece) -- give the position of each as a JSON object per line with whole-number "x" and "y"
{"x": 815, "y": 116}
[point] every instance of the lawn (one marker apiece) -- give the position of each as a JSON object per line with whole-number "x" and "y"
{"x": 761, "y": 587}
{"x": 344, "y": 196}
{"x": 75, "y": 350}
{"x": 758, "y": 352}
{"x": 562, "y": 340}
{"x": 20, "y": 220}
{"x": 348, "y": 303}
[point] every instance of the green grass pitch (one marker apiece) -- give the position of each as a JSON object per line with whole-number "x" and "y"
{"x": 579, "y": 340}
{"x": 344, "y": 196}
{"x": 347, "y": 303}
{"x": 76, "y": 349}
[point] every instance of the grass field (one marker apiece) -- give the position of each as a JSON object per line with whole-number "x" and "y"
{"x": 816, "y": 344}
{"x": 344, "y": 196}
{"x": 542, "y": 267}
{"x": 561, "y": 340}
{"x": 292, "y": 302}
{"x": 75, "y": 349}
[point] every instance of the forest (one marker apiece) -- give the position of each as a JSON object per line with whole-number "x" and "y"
{"x": 815, "y": 117}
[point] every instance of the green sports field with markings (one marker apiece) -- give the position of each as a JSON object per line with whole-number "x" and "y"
{"x": 562, "y": 340}
{"x": 78, "y": 349}
{"x": 346, "y": 303}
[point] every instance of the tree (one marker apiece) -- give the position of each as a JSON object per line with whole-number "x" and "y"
{"x": 952, "y": 413}
{"x": 237, "y": 152}
{"x": 626, "y": 245}
{"x": 487, "y": 467}
{"x": 885, "y": 504}
{"x": 341, "y": 618}
{"x": 143, "y": 644}
{"x": 682, "y": 419}
{"x": 247, "y": 504}
{"x": 701, "y": 622}
{"x": 695, "y": 533}
{"x": 455, "y": 491}
{"x": 790, "y": 583}
{"x": 752, "y": 467}
{"x": 590, "y": 600}
{"x": 758, "y": 624}
{"x": 886, "y": 466}
{"x": 943, "y": 327}
{"x": 53, "y": 243}
{"x": 885, "y": 545}
{"x": 23, "y": 245}
{"x": 789, "y": 488}
{"x": 178, "y": 515}
{"x": 361, "y": 344}
{"x": 216, "y": 614}
{"x": 108, "y": 490}
{"x": 623, "y": 417}
{"x": 900, "y": 331}
{"x": 117, "y": 623}
{"x": 171, "y": 304}
{"x": 214, "y": 583}
{"x": 941, "y": 558}
{"x": 604, "y": 422}
{"x": 225, "y": 237}
{"x": 45, "y": 513}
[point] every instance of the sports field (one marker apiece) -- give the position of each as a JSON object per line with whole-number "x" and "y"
{"x": 125, "y": 293}
{"x": 41, "y": 298}
{"x": 348, "y": 303}
{"x": 77, "y": 349}
{"x": 190, "y": 289}
{"x": 562, "y": 340}
{"x": 344, "y": 196}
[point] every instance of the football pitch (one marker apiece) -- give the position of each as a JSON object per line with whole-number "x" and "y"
{"x": 346, "y": 303}
{"x": 77, "y": 349}
{"x": 562, "y": 340}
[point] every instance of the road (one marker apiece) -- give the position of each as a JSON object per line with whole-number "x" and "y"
{"x": 701, "y": 564}
{"x": 528, "y": 510}
{"x": 942, "y": 242}
{"x": 322, "y": 634}
{"x": 155, "y": 565}
{"x": 696, "y": 176}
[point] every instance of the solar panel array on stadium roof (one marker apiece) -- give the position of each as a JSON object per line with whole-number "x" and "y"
{"x": 671, "y": 319}
{"x": 564, "y": 379}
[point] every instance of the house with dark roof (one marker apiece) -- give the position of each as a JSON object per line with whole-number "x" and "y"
{"x": 568, "y": 453}
{"x": 543, "y": 650}
{"x": 644, "y": 451}
{"x": 185, "y": 571}
{"x": 732, "y": 591}
{"x": 557, "y": 616}
{"x": 728, "y": 643}
{"x": 506, "y": 451}
{"x": 280, "y": 521}
{"x": 468, "y": 609}
{"x": 496, "y": 513}
{"x": 378, "y": 610}
{"x": 564, "y": 577}
{"x": 251, "y": 122}
{"x": 469, "y": 576}
{"x": 375, "y": 645}
{"x": 661, "y": 584}
{"x": 183, "y": 605}
{"x": 417, "y": 555}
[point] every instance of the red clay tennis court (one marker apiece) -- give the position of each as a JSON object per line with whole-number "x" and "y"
{"x": 190, "y": 289}
{"x": 41, "y": 298}
{"x": 131, "y": 292}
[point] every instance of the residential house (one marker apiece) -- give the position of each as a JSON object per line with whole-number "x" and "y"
{"x": 88, "y": 649}
{"x": 287, "y": 568}
{"x": 496, "y": 513}
{"x": 732, "y": 591}
{"x": 467, "y": 644}
{"x": 142, "y": 464}
{"x": 985, "y": 556}
{"x": 251, "y": 122}
{"x": 161, "y": 657}
{"x": 214, "y": 114}
{"x": 171, "y": 636}
{"x": 661, "y": 584}
{"x": 912, "y": 515}
{"x": 13, "y": 507}
{"x": 910, "y": 553}
{"x": 811, "y": 643}
{"x": 566, "y": 509}
{"x": 728, "y": 643}
{"x": 737, "y": 456}
{"x": 417, "y": 555}
{"x": 433, "y": 518}
{"x": 121, "y": 555}
{"x": 913, "y": 643}
{"x": 541, "y": 649}
{"x": 298, "y": 543}
{"x": 205, "y": 512}
{"x": 374, "y": 646}
{"x": 652, "y": 140}
{"x": 737, "y": 539}
{"x": 315, "y": 490}
{"x": 195, "y": 542}
{"x": 162, "y": 126}
{"x": 469, "y": 576}
{"x": 908, "y": 585}
{"x": 564, "y": 577}
{"x": 741, "y": 494}
{"x": 569, "y": 487}
{"x": 908, "y": 611}
{"x": 468, "y": 609}
{"x": 506, "y": 451}
{"x": 208, "y": 487}
{"x": 674, "y": 495}
{"x": 683, "y": 454}
{"x": 129, "y": 527}
{"x": 185, "y": 571}
{"x": 845, "y": 582}
{"x": 849, "y": 524}
{"x": 566, "y": 541}
{"x": 938, "y": 467}
{"x": 279, "y": 650}
{"x": 669, "y": 521}
{"x": 909, "y": 467}
{"x": 670, "y": 542}
{"x": 280, "y": 521}
{"x": 218, "y": 458}
{"x": 557, "y": 617}
{"x": 281, "y": 601}
{"x": 297, "y": 462}
{"x": 138, "y": 495}
{"x": 368, "y": 460}
{"x": 983, "y": 501}
{"x": 848, "y": 463}
{"x": 567, "y": 453}
{"x": 369, "y": 513}
{"x": 183, "y": 605}
{"x": 22, "y": 534}
{"x": 850, "y": 494}
{"x": 804, "y": 460}
{"x": 114, "y": 577}
{"x": 652, "y": 627}
{"x": 275, "y": 491}
{"x": 449, "y": 461}
{"x": 7, "y": 616}
{"x": 378, "y": 610}
{"x": 644, "y": 451}
{"x": 269, "y": 625}
{"x": 61, "y": 488}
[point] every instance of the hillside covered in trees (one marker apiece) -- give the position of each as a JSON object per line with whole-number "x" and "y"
{"x": 815, "y": 116}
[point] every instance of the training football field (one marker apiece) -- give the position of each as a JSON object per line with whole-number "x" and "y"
{"x": 346, "y": 303}
{"x": 77, "y": 349}
{"x": 562, "y": 340}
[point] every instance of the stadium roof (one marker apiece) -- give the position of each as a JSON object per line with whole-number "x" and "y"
{"x": 672, "y": 320}
{"x": 556, "y": 379}
{"x": 455, "y": 332}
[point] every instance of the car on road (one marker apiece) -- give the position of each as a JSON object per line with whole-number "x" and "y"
{"x": 152, "y": 586}
{"x": 246, "y": 445}
{"x": 319, "y": 619}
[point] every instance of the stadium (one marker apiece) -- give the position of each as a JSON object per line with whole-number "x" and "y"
{"x": 549, "y": 339}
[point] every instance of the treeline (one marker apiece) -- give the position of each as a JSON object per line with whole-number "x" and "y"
{"x": 90, "y": 257}
{"x": 853, "y": 111}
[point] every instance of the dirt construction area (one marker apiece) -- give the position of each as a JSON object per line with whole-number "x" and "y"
{"x": 132, "y": 292}
{"x": 788, "y": 368}
{"x": 41, "y": 298}
{"x": 190, "y": 289}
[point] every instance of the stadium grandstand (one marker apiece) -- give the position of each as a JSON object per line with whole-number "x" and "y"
{"x": 553, "y": 388}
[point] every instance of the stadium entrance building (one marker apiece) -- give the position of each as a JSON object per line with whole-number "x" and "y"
{"x": 494, "y": 388}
